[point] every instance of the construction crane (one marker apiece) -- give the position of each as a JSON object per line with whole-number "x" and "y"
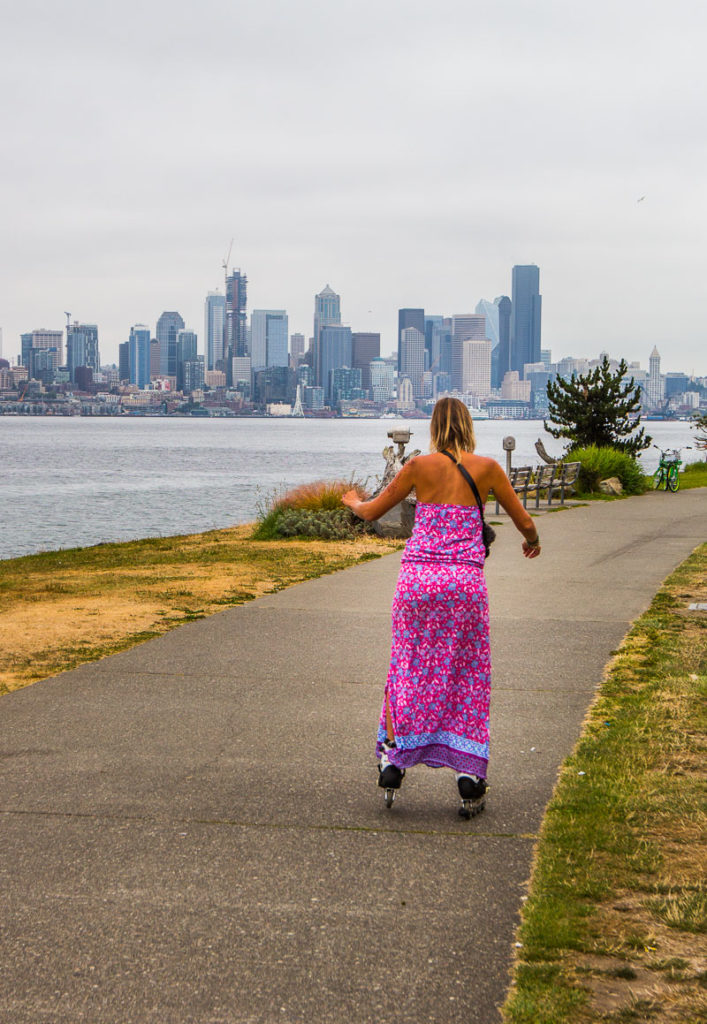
{"x": 225, "y": 262}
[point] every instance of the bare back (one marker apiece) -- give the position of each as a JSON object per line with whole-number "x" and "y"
{"x": 439, "y": 482}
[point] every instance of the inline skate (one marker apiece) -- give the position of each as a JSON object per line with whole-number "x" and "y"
{"x": 472, "y": 791}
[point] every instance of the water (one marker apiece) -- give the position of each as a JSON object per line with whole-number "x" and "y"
{"x": 68, "y": 482}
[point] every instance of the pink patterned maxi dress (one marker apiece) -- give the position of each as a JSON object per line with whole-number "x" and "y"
{"x": 439, "y": 681}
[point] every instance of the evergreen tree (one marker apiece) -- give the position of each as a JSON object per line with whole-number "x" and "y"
{"x": 700, "y": 425}
{"x": 597, "y": 408}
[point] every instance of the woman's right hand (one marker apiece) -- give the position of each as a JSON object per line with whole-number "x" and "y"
{"x": 350, "y": 499}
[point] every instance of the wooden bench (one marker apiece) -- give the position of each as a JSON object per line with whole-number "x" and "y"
{"x": 565, "y": 478}
{"x": 527, "y": 481}
{"x": 520, "y": 477}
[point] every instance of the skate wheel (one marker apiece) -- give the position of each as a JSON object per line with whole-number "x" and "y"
{"x": 389, "y": 797}
{"x": 464, "y": 812}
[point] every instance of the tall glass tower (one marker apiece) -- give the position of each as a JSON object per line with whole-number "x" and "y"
{"x": 168, "y": 326}
{"x": 525, "y": 317}
{"x": 214, "y": 329}
{"x": 327, "y": 313}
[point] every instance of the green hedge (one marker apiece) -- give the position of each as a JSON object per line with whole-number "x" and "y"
{"x": 601, "y": 463}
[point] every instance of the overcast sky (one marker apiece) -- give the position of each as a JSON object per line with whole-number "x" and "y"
{"x": 407, "y": 153}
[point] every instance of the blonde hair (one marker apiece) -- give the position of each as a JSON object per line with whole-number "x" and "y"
{"x": 451, "y": 427}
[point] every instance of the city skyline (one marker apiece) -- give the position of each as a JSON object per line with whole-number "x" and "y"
{"x": 560, "y": 143}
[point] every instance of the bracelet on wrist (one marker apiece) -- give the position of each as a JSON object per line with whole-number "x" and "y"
{"x": 534, "y": 543}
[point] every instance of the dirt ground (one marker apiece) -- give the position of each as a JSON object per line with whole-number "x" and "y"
{"x": 60, "y": 610}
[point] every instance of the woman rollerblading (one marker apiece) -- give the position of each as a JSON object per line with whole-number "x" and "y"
{"x": 437, "y": 695}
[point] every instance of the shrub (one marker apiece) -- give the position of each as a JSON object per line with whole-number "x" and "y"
{"x": 601, "y": 463}
{"x": 311, "y": 510}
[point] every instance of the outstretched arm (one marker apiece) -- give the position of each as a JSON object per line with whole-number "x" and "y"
{"x": 520, "y": 516}
{"x": 396, "y": 490}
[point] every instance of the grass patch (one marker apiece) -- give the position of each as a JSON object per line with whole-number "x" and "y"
{"x": 312, "y": 510}
{"x": 694, "y": 474}
{"x": 614, "y": 922}
{"x": 60, "y": 609}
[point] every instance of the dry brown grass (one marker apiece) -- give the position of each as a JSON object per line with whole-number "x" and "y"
{"x": 63, "y": 608}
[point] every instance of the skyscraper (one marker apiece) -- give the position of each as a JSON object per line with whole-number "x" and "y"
{"x": 167, "y": 327}
{"x": 296, "y": 349}
{"x": 410, "y": 318}
{"x": 139, "y": 354}
{"x": 477, "y": 367}
{"x": 236, "y": 325}
{"x": 411, "y": 357}
{"x": 214, "y": 329}
{"x": 654, "y": 384}
{"x": 365, "y": 346}
{"x": 186, "y": 353}
{"x": 82, "y": 347}
{"x": 464, "y": 327}
{"x": 268, "y": 338}
{"x": 525, "y": 316}
{"x": 335, "y": 351}
{"x": 327, "y": 312}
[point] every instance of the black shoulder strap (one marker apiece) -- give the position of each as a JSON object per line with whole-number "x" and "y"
{"x": 469, "y": 479}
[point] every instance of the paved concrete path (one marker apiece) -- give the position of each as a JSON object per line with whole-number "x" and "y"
{"x": 191, "y": 831}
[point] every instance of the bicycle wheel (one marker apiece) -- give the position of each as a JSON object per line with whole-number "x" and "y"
{"x": 658, "y": 478}
{"x": 673, "y": 481}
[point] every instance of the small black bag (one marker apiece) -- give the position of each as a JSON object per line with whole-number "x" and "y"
{"x": 488, "y": 534}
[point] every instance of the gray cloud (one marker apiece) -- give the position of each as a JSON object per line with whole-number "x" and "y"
{"x": 404, "y": 152}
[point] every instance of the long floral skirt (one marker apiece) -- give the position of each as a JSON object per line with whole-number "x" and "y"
{"x": 439, "y": 682}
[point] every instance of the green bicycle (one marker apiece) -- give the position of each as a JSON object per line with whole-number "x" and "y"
{"x": 667, "y": 474}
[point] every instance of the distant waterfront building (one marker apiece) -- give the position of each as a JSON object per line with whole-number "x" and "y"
{"x": 42, "y": 339}
{"x": 215, "y": 378}
{"x": 365, "y": 346}
{"x": 193, "y": 375}
{"x": 382, "y": 380}
{"x": 334, "y": 351}
{"x": 236, "y": 337}
{"x": 411, "y": 357}
{"x": 465, "y": 327}
{"x": 241, "y": 370}
{"x": 154, "y": 359}
{"x": 124, "y": 361}
{"x": 526, "y": 311}
{"x": 654, "y": 387}
{"x": 345, "y": 384}
{"x": 569, "y": 366}
{"x": 476, "y": 377}
{"x": 43, "y": 364}
{"x": 514, "y": 389}
{"x": 327, "y": 313}
{"x": 676, "y": 384}
{"x": 406, "y": 398}
{"x": 275, "y": 384}
{"x": 409, "y": 318}
{"x": 82, "y": 348}
{"x": 186, "y": 353}
{"x": 168, "y": 325}
{"x": 268, "y": 338}
{"x": 501, "y": 354}
{"x": 139, "y": 353}
{"x": 296, "y": 350}
{"x": 214, "y": 329}
{"x": 432, "y": 326}
{"x": 313, "y": 398}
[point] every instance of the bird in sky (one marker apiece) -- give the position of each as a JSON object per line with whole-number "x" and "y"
{"x": 641, "y": 199}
